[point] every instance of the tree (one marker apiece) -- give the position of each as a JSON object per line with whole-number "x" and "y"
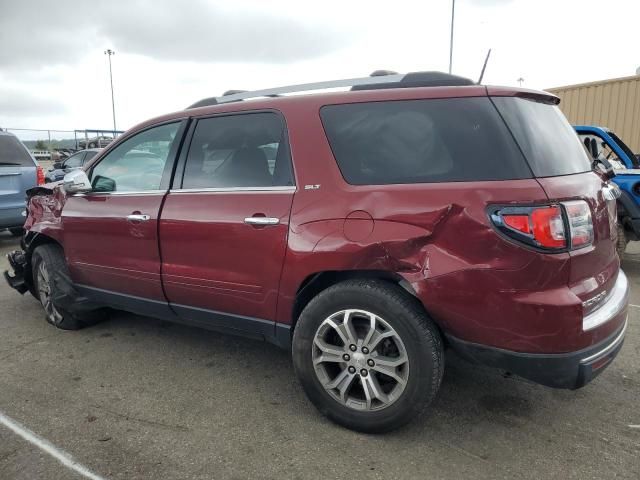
{"x": 40, "y": 145}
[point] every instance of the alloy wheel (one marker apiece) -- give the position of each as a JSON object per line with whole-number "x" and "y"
{"x": 360, "y": 360}
{"x": 44, "y": 291}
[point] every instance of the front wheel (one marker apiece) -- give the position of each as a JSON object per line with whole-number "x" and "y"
{"x": 367, "y": 355}
{"x": 48, "y": 261}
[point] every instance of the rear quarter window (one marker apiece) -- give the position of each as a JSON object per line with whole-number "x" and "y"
{"x": 551, "y": 145}
{"x": 422, "y": 141}
{"x": 13, "y": 152}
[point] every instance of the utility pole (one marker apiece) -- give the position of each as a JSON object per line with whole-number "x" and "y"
{"x": 110, "y": 52}
{"x": 453, "y": 15}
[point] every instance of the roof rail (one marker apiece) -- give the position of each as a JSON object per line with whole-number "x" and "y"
{"x": 379, "y": 79}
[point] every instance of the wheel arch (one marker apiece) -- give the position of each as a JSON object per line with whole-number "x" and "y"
{"x": 31, "y": 241}
{"x": 316, "y": 282}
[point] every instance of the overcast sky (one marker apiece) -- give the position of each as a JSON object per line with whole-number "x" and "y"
{"x": 54, "y": 74}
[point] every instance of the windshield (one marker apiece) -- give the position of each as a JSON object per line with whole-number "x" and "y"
{"x": 549, "y": 143}
{"x": 625, "y": 149}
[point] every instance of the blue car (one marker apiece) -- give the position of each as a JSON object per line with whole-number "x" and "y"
{"x": 18, "y": 172}
{"x": 77, "y": 160}
{"x": 604, "y": 144}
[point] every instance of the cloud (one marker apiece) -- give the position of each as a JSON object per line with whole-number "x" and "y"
{"x": 19, "y": 103}
{"x": 162, "y": 29}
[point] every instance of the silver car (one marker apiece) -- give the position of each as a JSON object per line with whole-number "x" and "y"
{"x": 18, "y": 173}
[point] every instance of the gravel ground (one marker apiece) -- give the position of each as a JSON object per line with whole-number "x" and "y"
{"x": 136, "y": 398}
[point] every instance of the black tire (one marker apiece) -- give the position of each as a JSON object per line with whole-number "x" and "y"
{"x": 621, "y": 246}
{"x": 17, "y": 231}
{"x": 404, "y": 314}
{"x": 50, "y": 257}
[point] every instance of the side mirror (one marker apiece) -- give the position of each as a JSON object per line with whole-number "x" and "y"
{"x": 76, "y": 182}
{"x": 56, "y": 166}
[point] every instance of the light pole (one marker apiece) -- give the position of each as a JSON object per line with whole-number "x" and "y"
{"x": 520, "y": 80}
{"x": 453, "y": 15}
{"x": 110, "y": 52}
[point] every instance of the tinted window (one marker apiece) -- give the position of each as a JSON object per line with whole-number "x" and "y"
{"x": 442, "y": 140}
{"x": 550, "y": 144}
{"x": 74, "y": 161}
{"x": 12, "y": 152}
{"x": 246, "y": 150}
{"x": 137, "y": 163}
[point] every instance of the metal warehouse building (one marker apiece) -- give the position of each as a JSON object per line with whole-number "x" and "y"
{"x": 611, "y": 103}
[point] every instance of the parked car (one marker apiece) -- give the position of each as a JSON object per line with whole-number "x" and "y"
{"x": 412, "y": 213}
{"x": 95, "y": 142}
{"x": 602, "y": 143}
{"x": 77, "y": 160}
{"x": 18, "y": 172}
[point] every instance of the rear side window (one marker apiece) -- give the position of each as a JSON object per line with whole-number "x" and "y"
{"x": 550, "y": 144}
{"x": 421, "y": 141}
{"x": 246, "y": 150}
{"x": 13, "y": 153}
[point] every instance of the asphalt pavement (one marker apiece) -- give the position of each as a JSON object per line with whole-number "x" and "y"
{"x": 138, "y": 398}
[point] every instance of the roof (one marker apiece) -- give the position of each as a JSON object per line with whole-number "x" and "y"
{"x": 317, "y": 100}
{"x": 380, "y": 79}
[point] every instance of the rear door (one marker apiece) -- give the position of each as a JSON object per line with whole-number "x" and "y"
{"x": 110, "y": 234}
{"x": 17, "y": 174}
{"x": 224, "y": 226}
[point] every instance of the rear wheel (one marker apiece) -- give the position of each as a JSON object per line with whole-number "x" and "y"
{"x": 47, "y": 262}
{"x": 16, "y": 232}
{"x": 367, "y": 355}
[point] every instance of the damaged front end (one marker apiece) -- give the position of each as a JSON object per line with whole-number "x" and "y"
{"x": 43, "y": 207}
{"x": 17, "y": 280}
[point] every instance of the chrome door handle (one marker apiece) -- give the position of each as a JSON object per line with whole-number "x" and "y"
{"x": 138, "y": 218}
{"x": 262, "y": 220}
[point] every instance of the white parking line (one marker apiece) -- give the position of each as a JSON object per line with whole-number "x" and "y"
{"x": 63, "y": 457}
{"x": 635, "y": 306}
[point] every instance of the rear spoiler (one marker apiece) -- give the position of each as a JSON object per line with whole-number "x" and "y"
{"x": 535, "y": 95}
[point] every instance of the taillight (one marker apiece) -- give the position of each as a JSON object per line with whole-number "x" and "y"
{"x": 580, "y": 224}
{"x": 40, "y": 173}
{"x": 557, "y": 227}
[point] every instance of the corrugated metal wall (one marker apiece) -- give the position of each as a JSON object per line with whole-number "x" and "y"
{"x": 611, "y": 103}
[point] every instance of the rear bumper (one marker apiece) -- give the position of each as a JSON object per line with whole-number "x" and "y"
{"x": 564, "y": 370}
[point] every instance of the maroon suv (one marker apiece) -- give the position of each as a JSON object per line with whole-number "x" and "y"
{"x": 364, "y": 230}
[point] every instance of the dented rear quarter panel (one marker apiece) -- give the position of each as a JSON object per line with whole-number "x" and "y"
{"x": 438, "y": 237}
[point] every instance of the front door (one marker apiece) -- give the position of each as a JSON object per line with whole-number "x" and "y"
{"x": 110, "y": 234}
{"x": 223, "y": 230}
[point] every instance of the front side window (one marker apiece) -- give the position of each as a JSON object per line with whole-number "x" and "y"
{"x": 136, "y": 164}
{"x": 247, "y": 150}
